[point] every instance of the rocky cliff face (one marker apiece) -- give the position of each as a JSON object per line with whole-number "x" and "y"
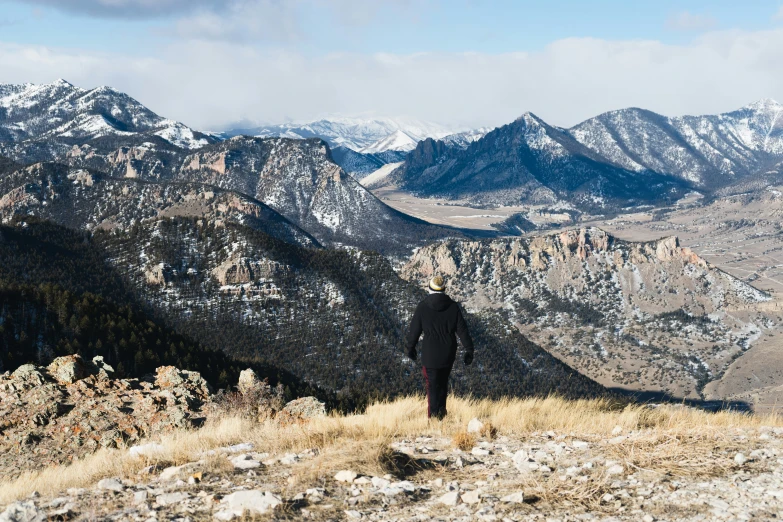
{"x": 639, "y": 315}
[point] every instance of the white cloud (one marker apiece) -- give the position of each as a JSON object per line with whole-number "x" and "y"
{"x": 207, "y": 84}
{"x": 779, "y": 15}
{"x": 686, "y": 21}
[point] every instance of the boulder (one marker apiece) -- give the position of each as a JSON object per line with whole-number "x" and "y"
{"x": 69, "y": 369}
{"x": 305, "y": 408}
{"x": 248, "y": 381}
{"x": 345, "y": 476}
{"x": 22, "y": 512}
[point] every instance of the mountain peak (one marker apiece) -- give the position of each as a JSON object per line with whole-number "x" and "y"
{"x": 763, "y": 105}
{"x": 59, "y": 82}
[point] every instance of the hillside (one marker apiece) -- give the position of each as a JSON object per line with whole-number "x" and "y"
{"x": 518, "y": 460}
{"x": 647, "y": 316}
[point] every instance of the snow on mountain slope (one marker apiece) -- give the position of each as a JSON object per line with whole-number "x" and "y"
{"x": 397, "y": 140}
{"x": 353, "y": 133}
{"x": 695, "y": 148}
{"x": 379, "y": 174}
{"x": 60, "y": 111}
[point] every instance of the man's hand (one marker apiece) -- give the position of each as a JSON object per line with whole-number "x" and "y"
{"x": 412, "y": 354}
{"x": 468, "y": 358}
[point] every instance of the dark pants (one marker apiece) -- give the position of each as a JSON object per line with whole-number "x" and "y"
{"x": 436, "y": 380}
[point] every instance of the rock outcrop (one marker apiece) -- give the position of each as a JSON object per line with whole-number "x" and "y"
{"x": 51, "y": 415}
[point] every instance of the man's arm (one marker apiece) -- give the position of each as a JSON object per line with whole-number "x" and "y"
{"x": 464, "y": 336}
{"x": 414, "y": 332}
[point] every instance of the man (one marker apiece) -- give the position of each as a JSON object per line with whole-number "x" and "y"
{"x": 441, "y": 320}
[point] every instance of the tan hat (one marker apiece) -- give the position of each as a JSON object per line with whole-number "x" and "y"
{"x": 437, "y": 284}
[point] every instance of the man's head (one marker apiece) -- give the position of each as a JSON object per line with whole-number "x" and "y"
{"x": 437, "y": 284}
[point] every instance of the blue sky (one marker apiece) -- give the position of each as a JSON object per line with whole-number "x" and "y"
{"x": 462, "y": 62}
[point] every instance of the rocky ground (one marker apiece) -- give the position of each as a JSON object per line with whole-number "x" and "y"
{"x": 666, "y": 468}
{"x": 548, "y": 476}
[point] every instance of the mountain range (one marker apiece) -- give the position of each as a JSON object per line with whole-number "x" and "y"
{"x": 366, "y": 136}
{"x": 623, "y": 158}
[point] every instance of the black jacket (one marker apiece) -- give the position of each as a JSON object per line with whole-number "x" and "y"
{"x": 440, "y": 319}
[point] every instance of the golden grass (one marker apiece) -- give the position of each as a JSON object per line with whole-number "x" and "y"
{"x": 464, "y": 440}
{"x": 358, "y": 441}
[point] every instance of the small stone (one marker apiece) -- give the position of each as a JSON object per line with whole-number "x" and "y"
{"x": 607, "y": 498}
{"x": 252, "y": 502}
{"x": 648, "y": 518}
{"x": 479, "y": 452}
{"x": 475, "y": 426}
{"x": 245, "y": 461}
{"x": 615, "y": 469}
{"x": 580, "y": 444}
{"x": 111, "y": 484}
{"x": 617, "y": 440}
{"x": 450, "y": 499}
{"x": 345, "y": 476}
{"x": 139, "y": 497}
{"x": 171, "y": 498}
{"x": 362, "y": 481}
{"x": 617, "y": 430}
{"x": 438, "y": 482}
{"x": 379, "y": 483}
{"x": 740, "y": 459}
{"x": 514, "y": 498}
{"x": 471, "y": 497}
{"x": 353, "y": 514}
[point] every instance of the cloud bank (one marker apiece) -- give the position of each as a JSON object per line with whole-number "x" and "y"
{"x": 208, "y": 84}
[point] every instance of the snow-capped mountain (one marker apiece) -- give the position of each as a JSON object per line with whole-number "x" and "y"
{"x": 463, "y": 139}
{"x": 59, "y": 113}
{"x": 617, "y": 159}
{"x": 354, "y": 133}
{"x": 706, "y": 150}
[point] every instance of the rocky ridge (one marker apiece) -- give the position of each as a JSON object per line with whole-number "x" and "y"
{"x": 55, "y": 414}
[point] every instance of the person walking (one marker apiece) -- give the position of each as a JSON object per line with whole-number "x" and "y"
{"x": 441, "y": 321}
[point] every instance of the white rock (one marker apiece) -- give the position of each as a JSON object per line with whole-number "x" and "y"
{"x": 175, "y": 471}
{"x": 475, "y": 426}
{"x": 615, "y": 469}
{"x": 139, "y": 497}
{"x": 171, "y": 498}
{"x": 580, "y": 444}
{"x": 617, "y": 430}
{"x": 391, "y": 491}
{"x": 111, "y": 484}
{"x": 379, "y": 482}
{"x": 252, "y": 502}
{"x": 362, "y": 481}
{"x": 479, "y": 452}
{"x": 514, "y": 498}
{"x": 22, "y": 512}
{"x": 618, "y": 440}
{"x": 146, "y": 450}
{"x": 607, "y": 498}
{"x": 520, "y": 460}
{"x": 648, "y": 518}
{"x": 540, "y": 456}
{"x": 352, "y": 513}
{"x": 740, "y": 459}
{"x": 471, "y": 497}
{"x": 450, "y": 499}
{"x": 345, "y": 476}
{"x": 245, "y": 461}
{"x": 438, "y": 482}
{"x": 405, "y": 485}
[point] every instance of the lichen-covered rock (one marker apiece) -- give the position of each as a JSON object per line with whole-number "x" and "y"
{"x": 248, "y": 381}
{"x": 71, "y": 408}
{"x": 69, "y": 369}
{"x": 305, "y": 408}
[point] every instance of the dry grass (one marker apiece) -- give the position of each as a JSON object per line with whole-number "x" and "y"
{"x": 676, "y": 437}
{"x": 464, "y": 440}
